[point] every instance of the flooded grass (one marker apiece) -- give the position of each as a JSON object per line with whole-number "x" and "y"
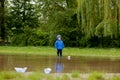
{"x": 77, "y": 63}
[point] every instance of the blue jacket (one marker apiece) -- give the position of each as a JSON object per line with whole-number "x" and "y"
{"x": 59, "y": 44}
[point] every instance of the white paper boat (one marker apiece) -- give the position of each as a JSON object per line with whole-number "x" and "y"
{"x": 47, "y": 70}
{"x": 68, "y": 57}
{"x": 21, "y": 70}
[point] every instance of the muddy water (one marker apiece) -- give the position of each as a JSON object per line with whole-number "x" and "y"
{"x": 38, "y": 63}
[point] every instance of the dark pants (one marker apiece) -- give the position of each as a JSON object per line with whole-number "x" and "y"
{"x": 59, "y": 52}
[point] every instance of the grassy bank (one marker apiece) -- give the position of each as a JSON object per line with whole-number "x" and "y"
{"x": 58, "y": 76}
{"x": 90, "y": 52}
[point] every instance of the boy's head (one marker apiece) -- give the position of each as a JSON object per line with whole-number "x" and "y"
{"x": 58, "y": 37}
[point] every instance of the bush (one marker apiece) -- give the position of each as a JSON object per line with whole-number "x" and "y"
{"x": 30, "y": 37}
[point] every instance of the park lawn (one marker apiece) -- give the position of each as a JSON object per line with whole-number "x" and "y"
{"x": 50, "y": 51}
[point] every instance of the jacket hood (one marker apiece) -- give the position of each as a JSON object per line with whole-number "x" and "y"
{"x": 58, "y": 36}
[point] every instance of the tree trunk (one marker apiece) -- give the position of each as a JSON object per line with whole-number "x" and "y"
{"x": 24, "y": 4}
{"x": 2, "y": 27}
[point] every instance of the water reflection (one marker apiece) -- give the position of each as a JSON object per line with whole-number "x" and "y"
{"x": 58, "y": 67}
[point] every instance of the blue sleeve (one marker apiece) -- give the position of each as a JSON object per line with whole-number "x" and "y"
{"x": 55, "y": 44}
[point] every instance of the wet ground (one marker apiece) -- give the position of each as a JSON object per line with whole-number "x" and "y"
{"x": 38, "y": 63}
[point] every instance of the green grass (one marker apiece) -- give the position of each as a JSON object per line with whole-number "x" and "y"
{"x": 62, "y": 76}
{"x": 96, "y": 76}
{"x": 58, "y": 78}
{"x": 91, "y": 52}
{"x": 65, "y": 77}
{"x": 115, "y": 78}
{"x": 75, "y": 74}
{"x": 10, "y": 75}
{"x": 36, "y": 76}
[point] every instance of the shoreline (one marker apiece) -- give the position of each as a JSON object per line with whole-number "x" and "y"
{"x": 113, "y": 53}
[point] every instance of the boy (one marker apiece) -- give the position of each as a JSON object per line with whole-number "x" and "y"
{"x": 59, "y": 45}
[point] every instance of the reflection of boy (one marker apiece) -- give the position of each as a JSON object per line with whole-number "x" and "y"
{"x": 58, "y": 66}
{"x": 59, "y": 45}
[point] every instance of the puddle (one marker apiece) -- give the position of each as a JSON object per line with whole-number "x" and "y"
{"x": 39, "y": 63}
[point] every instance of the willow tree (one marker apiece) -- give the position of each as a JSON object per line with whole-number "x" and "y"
{"x": 2, "y": 28}
{"x": 99, "y": 17}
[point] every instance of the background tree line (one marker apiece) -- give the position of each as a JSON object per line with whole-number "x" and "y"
{"x": 82, "y": 23}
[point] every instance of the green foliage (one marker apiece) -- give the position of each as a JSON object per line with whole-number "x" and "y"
{"x": 97, "y": 19}
{"x": 31, "y": 37}
{"x": 96, "y": 76}
{"x": 82, "y": 23}
{"x": 2, "y": 22}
